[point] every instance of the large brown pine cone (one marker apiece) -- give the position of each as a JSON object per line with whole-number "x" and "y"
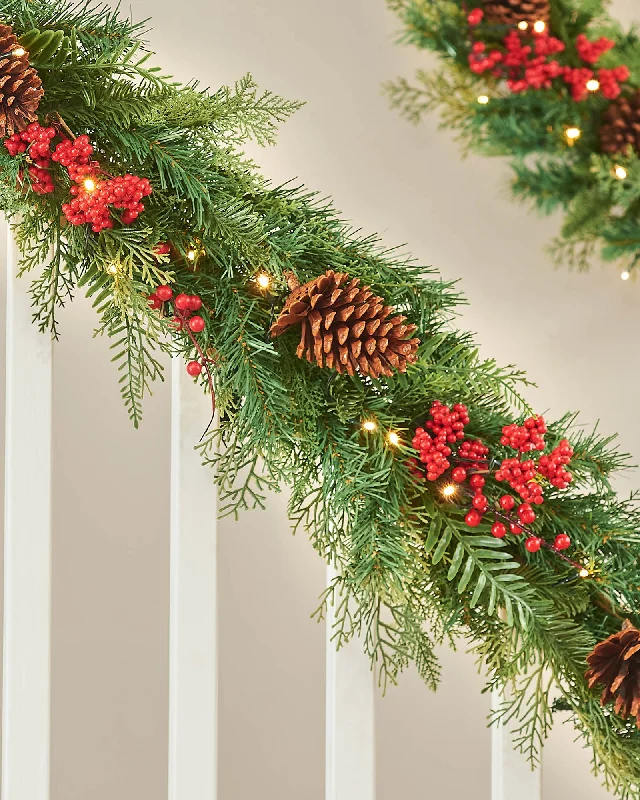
{"x": 615, "y": 664}
{"x": 511, "y": 12}
{"x": 620, "y": 129}
{"x": 20, "y": 86}
{"x": 346, "y": 328}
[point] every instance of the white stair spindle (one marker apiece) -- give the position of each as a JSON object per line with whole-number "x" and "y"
{"x": 350, "y": 733}
{"x": 193, "y": 702}
{"x": 27, "y": 547}
{"x": 511, "y": 774}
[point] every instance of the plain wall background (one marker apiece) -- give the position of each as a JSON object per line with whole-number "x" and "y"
{"x": 575, "y": 334}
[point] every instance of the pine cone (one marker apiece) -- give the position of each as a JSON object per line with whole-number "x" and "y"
{"x": 615, "y": 664}
{"x": 20, "y": 86}
{"x": 346, "y": 328}
{"x": 511, "y": 12}
{"x": 620, "y": 129}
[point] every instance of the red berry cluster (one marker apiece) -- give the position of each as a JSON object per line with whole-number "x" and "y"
{"x": 553, "y": 465}
{"x": 472, "y": 450}
{"x": 37, "y": 140}
{"x": 76, "y": 158}
{"x": 528, "y": 63}
{"x": 527, "y": 437}
{"x": 591, "y": 51}
{"x": 520, "y": 475}
{"x": 91, "y": 205}
{"x": 479, "y": 504}
{"x": 447, "y": 427}
{"x": 183, "y": 306}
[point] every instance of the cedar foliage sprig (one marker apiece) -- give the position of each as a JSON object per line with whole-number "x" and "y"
{"x": 410, "y": 573}
{"x": 601, "y": 212}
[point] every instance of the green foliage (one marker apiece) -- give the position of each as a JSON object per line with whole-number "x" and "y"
{"x": 410, "y": 573}
{"x": 602, "y": 212}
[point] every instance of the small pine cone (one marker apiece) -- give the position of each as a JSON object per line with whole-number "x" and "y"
{"x": 511, "y": 12}
{"x": 20, "y": 86}
{"x": 620, "y": 129}
{"x": 346, "y": 328}
{"x": 615, "y": 664}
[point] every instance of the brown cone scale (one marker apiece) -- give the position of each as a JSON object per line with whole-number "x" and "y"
{"x": 511, "y": 12}
{"x": 20, "y": 86}
{"x": 620, "y": 129}
{"x": 615, "y": 664}
{"x": 345, "y": 327}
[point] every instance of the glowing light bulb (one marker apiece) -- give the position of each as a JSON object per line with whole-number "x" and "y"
{"x": 112, "y": 269}
{"x": 191, "y": 255}
{"x": 620, "y": 173}
{"x": 584, "y": 573}
{"x": 625, "y": 275}
{"x": 572, "y": 134}
{"x": 393, "y": 438}
{"x": 523, "y": 25}
{"x": 19, "y": 51}
{"x": 593, "y": 85}
{"x": 539, "y": 26}
{"x": 449, "y": 490}
{"x": 369, "y": 425}
{"x": 89, "y": 184}
{"x": 263, "y": 280}
{"x": 483, "y": 99}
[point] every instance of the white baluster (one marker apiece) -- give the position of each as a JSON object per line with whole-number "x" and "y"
{"x": 511, "y": 775}
{"x": 350, "y": 733}
{"x": 27, "y": 547}
{"x": 193, "y": 705}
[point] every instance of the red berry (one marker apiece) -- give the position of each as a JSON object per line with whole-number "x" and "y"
{"x": 196, "y": 324}
{"x": 533, "y": 544}
{"x": 475, "y": 16}
{"x": 459, "y": 475}
{"x": 473, "y": 519}
{"x": 195, "y": 302}
{"x": 162, "y": 249}
{"x": 506, "y": 501}
{"x": 516, "y": 529}
{"x": 164, "y": 293}
{"x": 480, "y": 503}
{"x": 528, "y": 517}
{"x": 498, "y": 530}
{"x": 194, "y": 368}
{"x": 477, "y": 482}
{"x": 182, "y": 302}
{"x": 562, "y": 542}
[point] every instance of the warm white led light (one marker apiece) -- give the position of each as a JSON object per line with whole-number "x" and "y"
{"x": 393, "y": 438}
{"x": 449, "y": 490}
{"x": 573, "y": 133}
{"x": 112, "y": 269}
{"x": 584, "y": 573}
{"x": 191, "y": 255}
{"x": 89, "y": 184}
{"x": 523, "y": 25}
{"x": 19, "y": 51}
{"x": 264, "y": 281}
{"x": 593, "y": 85}
{"x": 539, "y": 26}
{"x": 483, "y": 99}
{"x": 369, "y": 425}
{"x": 620, "y": 172}
{"x": 625, "y": 275}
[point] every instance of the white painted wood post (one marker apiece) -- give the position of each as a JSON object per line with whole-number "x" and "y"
{"x": 27, "y": 547}
{"x": 350, "y": 732}
{"x": 193, "y": 688}
{"x": 511, "y": 773}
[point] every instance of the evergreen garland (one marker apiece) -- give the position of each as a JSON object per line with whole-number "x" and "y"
{"x": 412, "y": 572}
{"x": 587, "y": 175}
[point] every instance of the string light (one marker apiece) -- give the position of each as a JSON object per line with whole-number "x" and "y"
{"x": 620, "y": 172}
{"x": 572, "y": 134}
{"x": 483, "y": 99}
{"x": 584, "y": 573}
{"x": 191, "y": 255}
{"x": 523, "y": 25}
{"x": 539, "y": 26}
{"x": 393, "y": 438}
{"x": 263, "y": 280}
{"x": 625, "y": 275}
{"x": 449, "y": 490}
{"x": 19, "y": 51}
{"x": 112, "y": 269}
{"x": 593, "y": 85}
{"x": 89, "y": 184}
{"x": 369, "y": 425}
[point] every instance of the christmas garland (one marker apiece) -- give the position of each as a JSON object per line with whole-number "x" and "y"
{"x": 415, "y": 466}
{"x": 555, "y": 86}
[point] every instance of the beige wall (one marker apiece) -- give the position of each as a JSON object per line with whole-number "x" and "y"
{"x": 577, "y": 336}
